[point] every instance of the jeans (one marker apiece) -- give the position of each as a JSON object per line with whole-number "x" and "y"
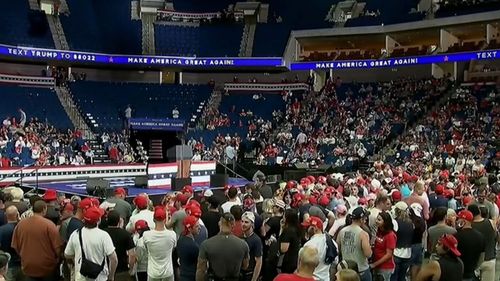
{"x": 14, "y": 273}
{"x": 487, "y": 270}
{"x": 365, "y": 275}
{"x": 384, "y": 273}
{"x": 401, "y": 269}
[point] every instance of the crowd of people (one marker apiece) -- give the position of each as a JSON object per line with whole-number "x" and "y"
{"x": 373, "y": 225}
{"x": 340, "y": 125}
{"x": 34, "y": 142}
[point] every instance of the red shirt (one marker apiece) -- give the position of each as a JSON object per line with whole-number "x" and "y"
{"x": 237, "y": 230}
{"x": 382, "y": 243}
{"x": 291, "y": 277}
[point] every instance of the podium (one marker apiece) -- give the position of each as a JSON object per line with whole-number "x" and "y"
{"x": 181, "y": 154}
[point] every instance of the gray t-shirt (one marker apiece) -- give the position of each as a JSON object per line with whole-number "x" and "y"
{"x": 350, "y": 246}
{"x": 225, "y": 254}
{"x": 436, "y": 231}
{"x": 122, "y": 207}
{"x": 178, "y": 218}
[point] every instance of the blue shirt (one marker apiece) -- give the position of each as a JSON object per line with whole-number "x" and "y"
{"x": 6, "y": 232}
{"x": 187, "y": 250}
{"x": 73, "y": 224}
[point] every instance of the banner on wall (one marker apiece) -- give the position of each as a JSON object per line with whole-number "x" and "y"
{"x": 157, "y": 124}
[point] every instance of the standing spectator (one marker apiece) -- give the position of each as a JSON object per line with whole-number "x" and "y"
{"x": 435, "y": 232}
{"x": 230, "y": 153}
{"x": 448, "y": 266}
{"x": 53, "y": 213}
{"x": 29, "y": 212}
{"x": 347, "y": 275}
{"x": 142, "y": 204}
{"x": 176, "y": 221}
{"x": 37, "y": 242}
{"x": 4, "y": 264}
{"x": 14, "y": 271}
{"x": 141, "y": 265}
{"x": 404, "y": 234}
{"x": 124, "y": 245}
{"x": 382, "y": 204}
{"x": 94, "y": 245}
{"x": 76, "y": 222}
{"x": 254, "y": 243}
{"x": 417, "y": 250}
{"x": 289, "y": 241}
{"x": 354, "y": 243}
{"x": 416, "y": 197}
{"x": 471, "y": 244}
{"x": 225, "y": 254}
{"x": 159, "y": 243}
{"x": 17, "y": 200}
{"x": 383, "y": 250}
{"x": 308, "y": 261}
{"x": 128, "y": 115}
{"x": 317, "y": 239}
{"x": 122, "y": 207}
{"x": 487, "y": 229}
{"x": 211, "y": 218}
{"x": 188, "y": 249}
{"x": 232, "y": 195}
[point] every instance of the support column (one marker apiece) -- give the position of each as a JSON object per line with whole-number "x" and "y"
{"x": 390, "y": 44}
{"x": 446, "y": 40}
{"x": 492, "y": 33}
{"x": 319, "y": 79}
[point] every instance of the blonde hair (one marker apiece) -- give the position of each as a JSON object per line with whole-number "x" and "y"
{"x": 267, "y": 205}
{"x": 348, "y": 275}
{"x": 17, "y": 194}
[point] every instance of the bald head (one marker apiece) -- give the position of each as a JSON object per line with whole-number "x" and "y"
{"x": 12, "y": 213}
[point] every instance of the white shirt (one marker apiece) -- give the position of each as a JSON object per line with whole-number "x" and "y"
{"x": 322, "y": 271}
{"x": 146, "y": 215}
{"x": 97, "y": 246}
{"x": 338, "y": 223}
{"x": 226, "y": 207}
{"x": 159, "y": 245}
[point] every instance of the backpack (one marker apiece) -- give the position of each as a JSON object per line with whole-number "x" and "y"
{"x": 331, "y": 250}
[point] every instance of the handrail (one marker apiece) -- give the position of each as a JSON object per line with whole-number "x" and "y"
{"x": 23, "y": 175}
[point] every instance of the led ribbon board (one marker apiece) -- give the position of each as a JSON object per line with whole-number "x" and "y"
{"x": 397, "y": 62}
{"x": 134, "y": 60}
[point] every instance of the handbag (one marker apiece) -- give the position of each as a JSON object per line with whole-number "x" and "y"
{"x": 89, "y": 268}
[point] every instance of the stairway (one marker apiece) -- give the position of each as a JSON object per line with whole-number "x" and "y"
{"x": 100, "y": 155}
{"x": 446, "y": 95}
{"x": 78, "y": 121}
{"x": 64, "y": 8}
{"x": 148, "y": 34}
{"x": 247, "y": 39}
{"x": 57, "y": 32}
{"x": 155, "y": 150}
{"x": 34, "y": 5}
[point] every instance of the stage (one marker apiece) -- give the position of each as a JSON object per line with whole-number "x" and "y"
{"x": 78, "y": 187}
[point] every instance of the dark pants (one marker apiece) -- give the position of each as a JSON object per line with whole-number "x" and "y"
{"x": 53, "y": 277}
{"x": 142, "y": 276}
{"x": 401, "y": 269}
{"x": 123, "y": 275}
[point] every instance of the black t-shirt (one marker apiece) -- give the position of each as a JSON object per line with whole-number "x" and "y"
{"x": 73, "y": 224}
{"x": 187, "y": 250}
{"x": 211, "y": 221}
{"x": 274, "y": 224}
{"x": 122, "y": 240}
{"x": 290, "y": 235}
{"x": 470, "y": 244}
{"x": 255, "y": 250}
{"x": 304, "y": 209}
{"x": 53, "y": 214}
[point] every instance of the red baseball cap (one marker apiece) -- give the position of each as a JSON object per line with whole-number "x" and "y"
{"x": 195, "y": 211}
{"x": 50, "y": 195}
{"x": 69, "y": 207}
{"x": 193, "y": 203}
{"x": 324, "y": 201}
{"x": 439, "y": 189}
{"x": 120, "y": 191}
{"x": 86, "y": 203}
{"x": 141, "y": 202}
{"x": 183, "y": 198}
{"x": 160, "y": 213}
{"x": 93, "y": 214}
{"x": 313, "y": 221}
{"x": 190, "y": 221}
{"x": 451, "y": 243}
{"x": 141, "y": 225}
{"x": 396, "y": 195}
{"x": 465, "y": 215}
{"x": 187, "y": 189}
